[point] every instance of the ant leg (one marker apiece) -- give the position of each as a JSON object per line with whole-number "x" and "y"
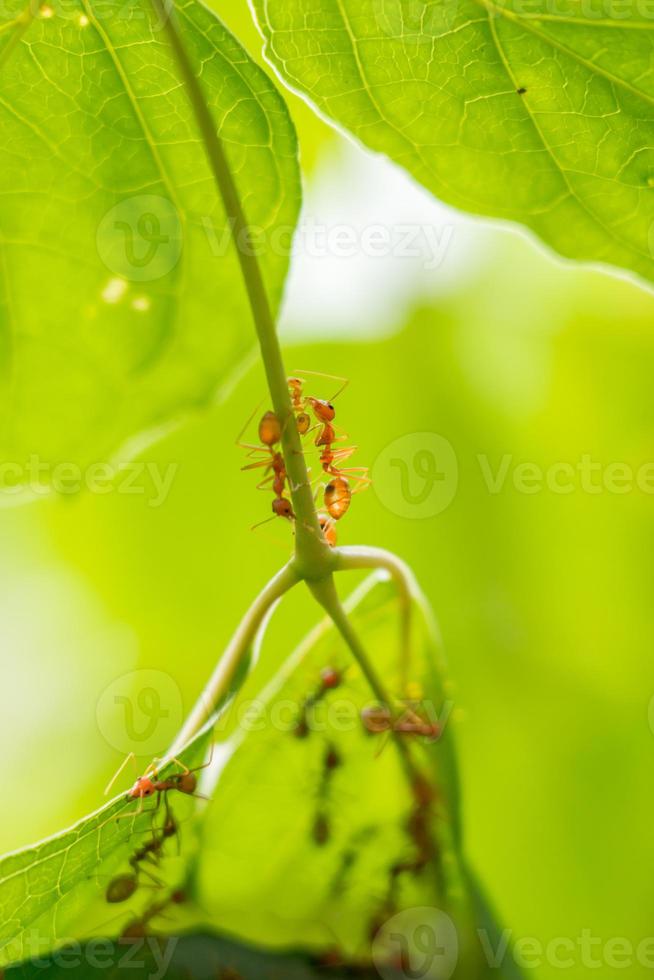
{"x": 330, "y": 377}
{"x": 261, "y": 523}
{"x": 185, "y": 769}
{"x": 134, "y": 813}
{"x": 258, "y": 464}
{"x": 243, "y": 430}
{"x": 264, "y": 483}
{"x": 205, "y": 765}
{"x": 128, "y": 758}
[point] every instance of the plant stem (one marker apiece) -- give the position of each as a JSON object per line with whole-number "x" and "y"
{"x": 312, "y": 553}
{"x": 221, "y": 684}
{"x": 325, "y": 593}
{"x": 352, "y": 558}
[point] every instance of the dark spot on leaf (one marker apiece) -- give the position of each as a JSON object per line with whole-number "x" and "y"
{"x": 521, "y": 91}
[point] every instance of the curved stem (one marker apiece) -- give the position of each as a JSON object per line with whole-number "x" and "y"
{"x": 350, "y": 559}
{"x": 325, "y": 593}
{"x": 312, "y": 552}
{"x": 221, "y": 683}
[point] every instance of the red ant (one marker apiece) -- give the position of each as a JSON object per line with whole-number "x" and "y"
{"x": 380, "y": 719}
{"x": 270, "y": 434}
{"x": 323, "y": 410}
{"x": 330, "y": 678}
{"x": 338, "y": 493}
{"x": 149, "y": 784}
{"x": 123, "y": 886}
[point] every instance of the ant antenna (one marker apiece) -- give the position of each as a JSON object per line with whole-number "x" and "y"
{"x": 330, "y": 377}
{"x": 128, "y": 758}
{"x": 249, "y": 421}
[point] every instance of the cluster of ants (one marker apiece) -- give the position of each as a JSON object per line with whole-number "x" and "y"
{"x": 339, "y": 483}
{"x": 123, "y": 886}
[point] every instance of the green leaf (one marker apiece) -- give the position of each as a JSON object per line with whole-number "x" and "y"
{"x": 314, "y": 837}
{"x": 56, "y": 891}
{"x": 121, "y": 302}
{"x": 506, "y": 109}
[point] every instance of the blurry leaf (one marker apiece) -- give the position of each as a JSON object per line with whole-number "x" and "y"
{"x": 315, "y": 837}
{"x": 121, "y": 302}
{"x": 182, "y": 958}
{"x": 56, "y": 891}
{"x": 513, "y": 112}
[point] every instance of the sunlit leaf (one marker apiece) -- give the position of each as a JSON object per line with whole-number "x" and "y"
{"x": 505, "y": 108}
{"x": 57, "y": 891}
{"x": 121, "y": 302}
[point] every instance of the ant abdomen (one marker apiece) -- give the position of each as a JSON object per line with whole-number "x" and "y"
{"x": 121, "y": 888}
{"x": 338, "y": 497}
{"x": 270, "y": 431}
{"x": 187, "y": 783}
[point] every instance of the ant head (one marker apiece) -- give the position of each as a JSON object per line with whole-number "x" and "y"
{"x": 282, "y": 508}
{"x": 330, "y": 677}
{"x": 270, "y": 431}
{"x": 143, "y": 786}
{"x": 324, "y": 411}
{"x": 295, "y": 385}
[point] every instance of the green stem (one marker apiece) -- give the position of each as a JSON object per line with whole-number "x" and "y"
{"x": 359, "y": 557}
{"x": 221, "y": 683}
{"x": 325, "y": 593}
{"x": 313, "y": 555}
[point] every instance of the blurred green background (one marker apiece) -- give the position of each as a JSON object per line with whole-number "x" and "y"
{"x": 544, "y": 598}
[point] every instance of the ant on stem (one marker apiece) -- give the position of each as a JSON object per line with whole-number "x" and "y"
{"x": 270, "y": 434}
{"x": 337, "y": 493}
